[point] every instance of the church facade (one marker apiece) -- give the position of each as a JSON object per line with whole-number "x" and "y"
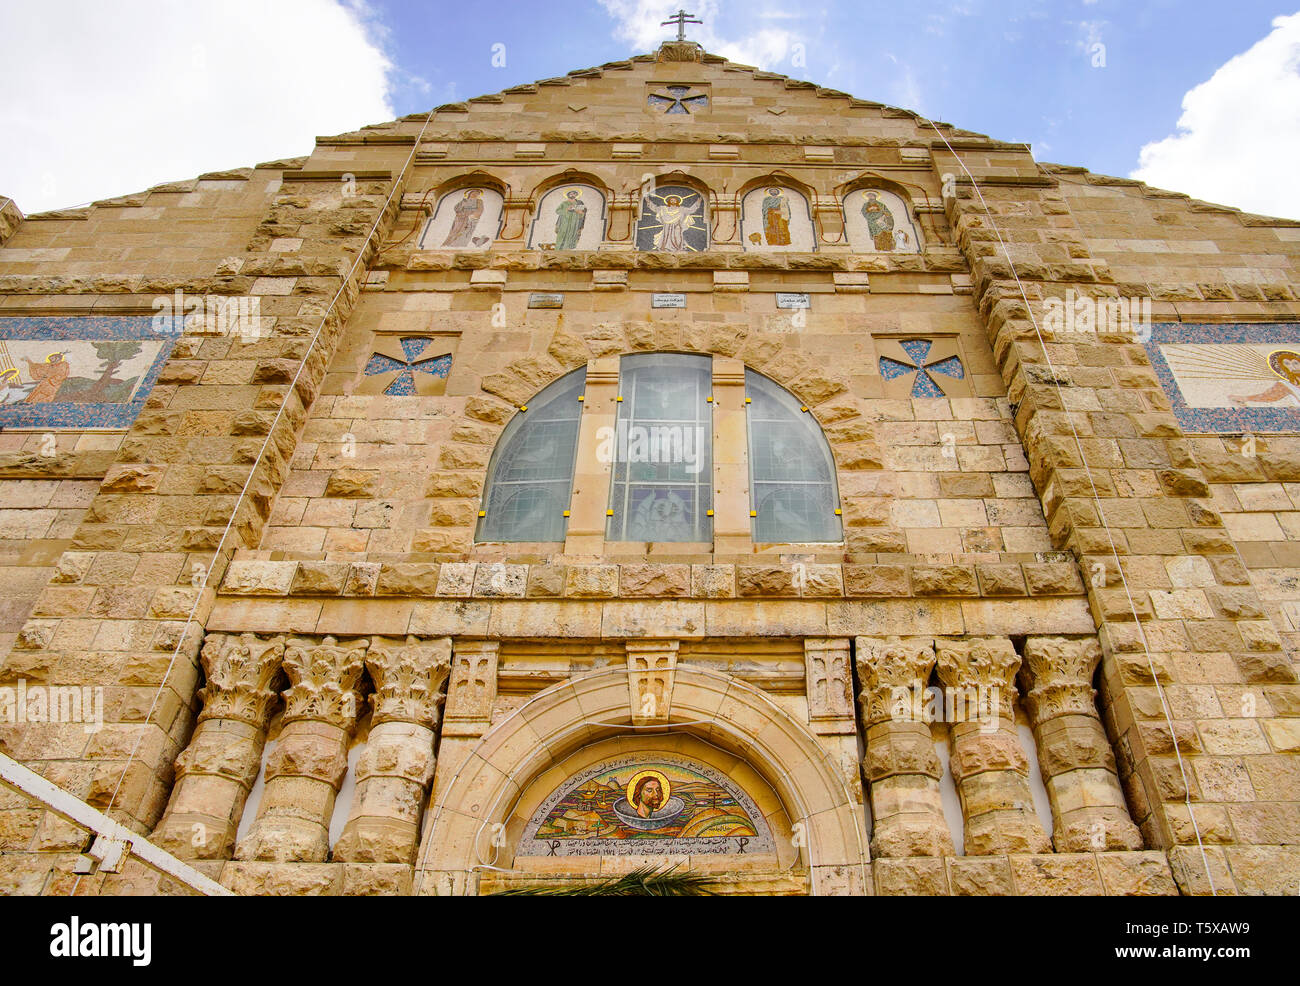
{"x": 670, "y": 464}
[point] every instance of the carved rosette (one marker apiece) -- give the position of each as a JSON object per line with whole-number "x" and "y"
{"x": 886, "y": 666}
{"x": 240, "y": 673}
{"x": 1058, "y": 672}
{"x": 323, "y": 680}
{"x": 986, "y": 665}
{"x": 409, "y": 679}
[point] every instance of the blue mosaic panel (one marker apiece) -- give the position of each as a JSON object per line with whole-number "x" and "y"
{"x": 1232, "y": 378}
{"x": 892, "y": 368}
{"x": 925, "y": 387}
{"x": 916, "y": 348}
{"x": 677, "y": 99}
{"x": 79, "y": 371}
{"x": 949, "y": 367}
{"x": 413, "y": 346}
{"x": 403, "y": 385}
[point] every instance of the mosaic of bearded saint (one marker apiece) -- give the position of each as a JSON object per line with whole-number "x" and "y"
{"x": 776, "y": 218}
{"x": 570, "y": 217}
{"x": 880, "y": 222}
{"x": 675, "y": 218}
{"x": 468, "y": 212}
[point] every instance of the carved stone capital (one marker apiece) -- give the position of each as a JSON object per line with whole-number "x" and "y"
{"x": 240, "y": 672}
{"x": 1058, "y": 675}
{"x": 886, "y": 665}
{"x": 323, "y": 679}
{"x": 988, "y": 665}
{"x": 408, "y": 679}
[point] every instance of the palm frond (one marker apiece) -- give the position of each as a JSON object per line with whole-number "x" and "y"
{"x": 647, "y": 881}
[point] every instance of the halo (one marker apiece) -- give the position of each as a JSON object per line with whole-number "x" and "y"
{"x": 1275, "y": 363}
{"x": 657, "y": 775}
{"x": 59, "y": 354}
{"x": 12, "y": 369}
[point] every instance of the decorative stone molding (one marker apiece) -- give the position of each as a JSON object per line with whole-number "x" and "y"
{"x": 650, "y": 669}
{"x": 473, "y": 687}
{"x": 988, "y": 764}
{"x": 901, "y": 765}
{"x": 394, "y": 772}
{"x": 307, "y": 767}
{"x": 1074, "y": 754}
{"x": 828, "y": 681}
{"x": 644, "y": 579}
{"x": 216, "y": 771}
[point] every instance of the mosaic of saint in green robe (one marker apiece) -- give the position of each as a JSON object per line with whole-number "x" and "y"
{"x": 570, "y": 217}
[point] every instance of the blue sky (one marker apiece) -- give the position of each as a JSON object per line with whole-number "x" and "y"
{"x": 1013, "y": 69}
{"x": 1196, "y": 96}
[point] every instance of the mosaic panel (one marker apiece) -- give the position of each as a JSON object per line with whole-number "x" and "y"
{"x": 673, "y": 218}
{"x": 570, "y": 217}
{"x": 408, "y": 366}
{"x": 1229, "y": 378}
{"x": 466, "y": 219}
{"x": 776, "y": 218}
{"x": 647, "y": 804}
{"x": 922, "y": 368}
{"x": 878, "y": 221}
{"x": 78, "y": 371}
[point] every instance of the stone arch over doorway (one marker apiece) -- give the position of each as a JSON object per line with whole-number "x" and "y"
{"x": 477, "y": 816}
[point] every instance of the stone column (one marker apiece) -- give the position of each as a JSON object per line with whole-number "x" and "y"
{"x": 394, "y": 772}
{"x": 901, "y": 766}
{"x": 988, "y": 763}
{"x": 1074, "y": 753}
{"x": 216, "y": 771}
{"x": 305, "y": 772}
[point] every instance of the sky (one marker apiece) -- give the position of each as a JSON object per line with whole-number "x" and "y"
{"x": 102, "y": 99}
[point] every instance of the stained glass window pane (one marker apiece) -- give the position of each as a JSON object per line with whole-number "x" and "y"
{"x": 791, "y": 470}
{"x": 530, "y": 476}
{"x": 662, "y": 455}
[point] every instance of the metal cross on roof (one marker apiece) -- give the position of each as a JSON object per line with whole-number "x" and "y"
{"x": 681, "y": 19}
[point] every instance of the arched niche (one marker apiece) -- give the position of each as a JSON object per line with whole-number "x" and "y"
{"x": 776, "y": 217}
{"x": 466, "y": 218}
{"x": 880, "y": 220}
{"x": 570, "y": 216}
{"x": 480, "y": 814}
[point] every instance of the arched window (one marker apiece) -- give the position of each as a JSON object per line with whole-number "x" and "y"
{"x": 791, "y": 471}
{"x": 660, "y": 456}
{"x": 663, "y": 473}
{"x": 530, "y": 476}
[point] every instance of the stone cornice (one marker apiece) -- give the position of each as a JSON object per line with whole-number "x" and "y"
{"x": 497, "y": 580}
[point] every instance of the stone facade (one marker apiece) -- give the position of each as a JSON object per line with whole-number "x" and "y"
{"x": 316, "y": 680}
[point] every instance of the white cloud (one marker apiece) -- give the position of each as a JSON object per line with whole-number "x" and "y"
{"x": 1237, "y": 141}
{"x": 638, "y": 22}
{"x": 102, "y": 99}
